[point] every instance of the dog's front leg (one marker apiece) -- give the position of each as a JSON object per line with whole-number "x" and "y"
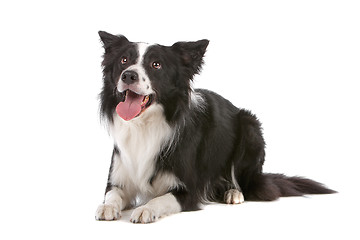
{"x": 156, "y": 208}
{"x": 112, "y": 206}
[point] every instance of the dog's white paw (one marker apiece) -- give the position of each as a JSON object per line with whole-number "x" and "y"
{"x": 234, "y": 196}
{"x": 143, "y": 215}
{"x": 107, "y": 212}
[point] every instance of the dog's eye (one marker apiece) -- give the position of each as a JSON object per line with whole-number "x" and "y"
{"x": 156, "y": 65}
{"x": 124, "y": 60}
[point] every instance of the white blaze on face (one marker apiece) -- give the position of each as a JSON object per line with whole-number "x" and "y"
{"x": 143, "y": 86}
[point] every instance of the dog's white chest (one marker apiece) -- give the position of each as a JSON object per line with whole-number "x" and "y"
{"x": 139, "y": 142}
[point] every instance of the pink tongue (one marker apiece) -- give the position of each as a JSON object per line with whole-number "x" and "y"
{"x": 131, "y": 107}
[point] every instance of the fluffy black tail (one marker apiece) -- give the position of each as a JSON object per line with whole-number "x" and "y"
{"x": 268, "y": 187}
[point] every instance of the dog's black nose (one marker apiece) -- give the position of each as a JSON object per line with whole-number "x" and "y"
{"x": 129, "y": 77}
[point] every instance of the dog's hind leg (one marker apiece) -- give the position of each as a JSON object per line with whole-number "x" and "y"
{"x": 234, "y": 195}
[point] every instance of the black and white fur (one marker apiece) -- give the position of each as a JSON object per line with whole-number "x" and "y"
{"x": 188, "y": 146}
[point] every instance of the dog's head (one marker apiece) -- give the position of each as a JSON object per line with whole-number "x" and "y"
{"x": 140, "y": 75}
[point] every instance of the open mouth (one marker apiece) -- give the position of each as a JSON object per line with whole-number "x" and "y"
{"x": 133, "y": 105}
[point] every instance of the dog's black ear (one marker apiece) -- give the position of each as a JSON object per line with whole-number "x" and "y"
{"x": 191, "y": 54}
{"x": 110, "y": 40}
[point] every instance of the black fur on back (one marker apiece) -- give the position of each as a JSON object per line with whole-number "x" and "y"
{"x": 213, "y": 136}
{"x": 211, "y": 140}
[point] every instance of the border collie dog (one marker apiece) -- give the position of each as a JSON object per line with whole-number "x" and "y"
{"x": 176, "y": 147}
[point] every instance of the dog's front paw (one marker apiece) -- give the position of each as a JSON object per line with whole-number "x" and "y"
{"x": 143, "y": 215}
{"x": 107, "y": 212}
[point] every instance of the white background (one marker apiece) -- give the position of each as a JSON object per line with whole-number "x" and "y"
{"x": 296, "y": 64}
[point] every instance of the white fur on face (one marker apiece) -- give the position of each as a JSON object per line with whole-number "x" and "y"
{"x": 143, "y": 86}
